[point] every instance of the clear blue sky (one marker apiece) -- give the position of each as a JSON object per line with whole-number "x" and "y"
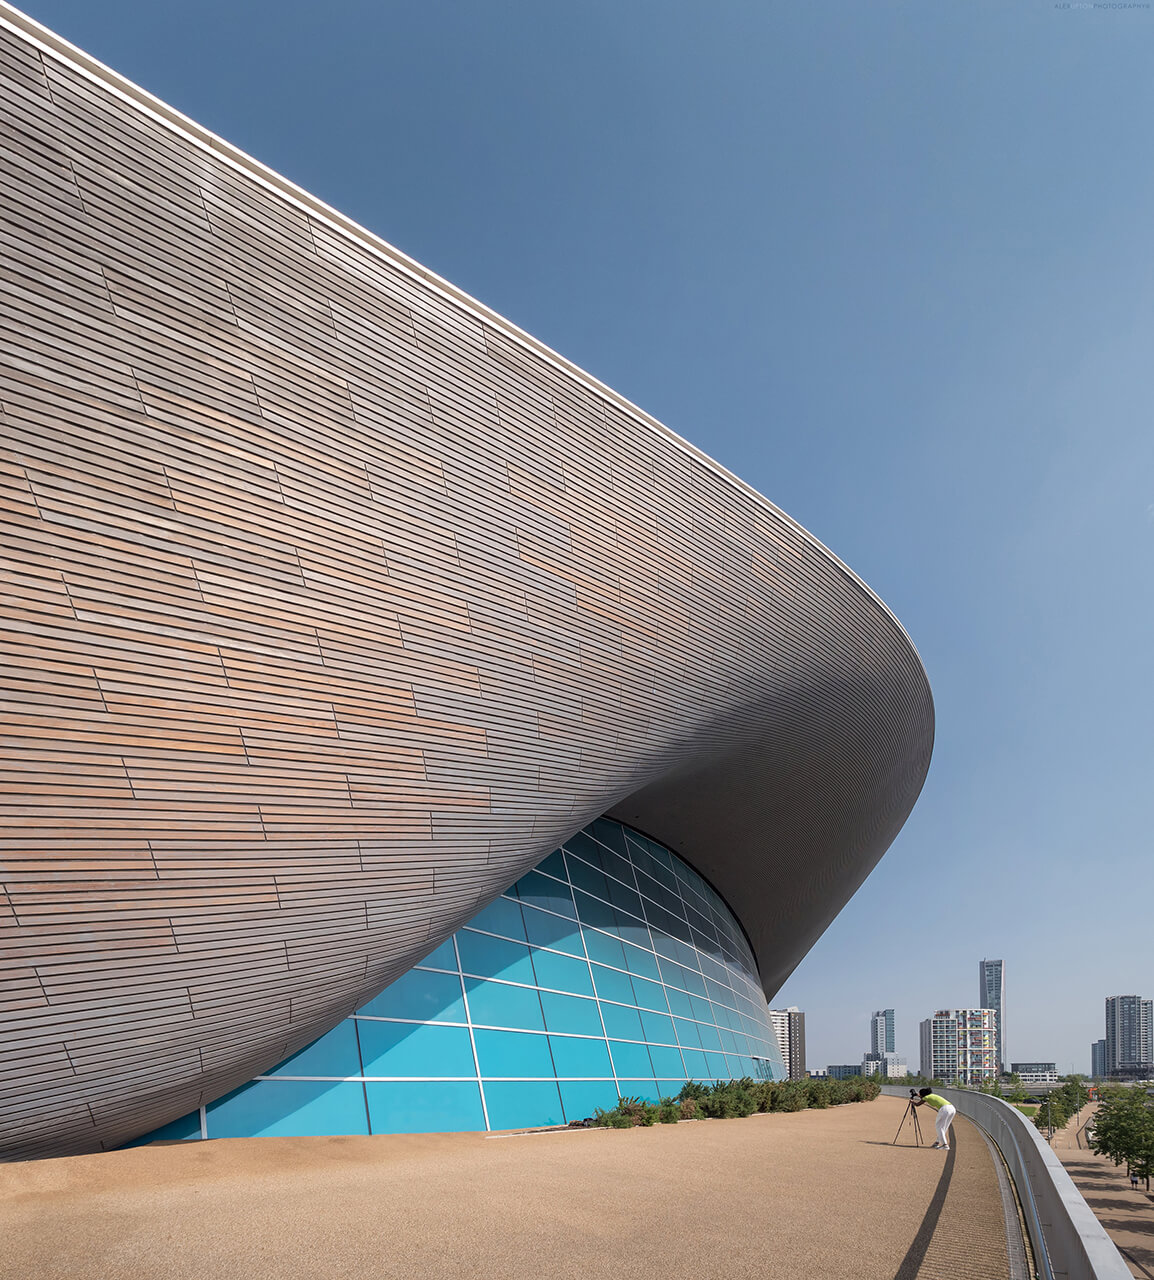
{"x": 891, "y": 263}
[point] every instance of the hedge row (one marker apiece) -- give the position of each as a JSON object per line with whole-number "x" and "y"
{"x": 727, "y": 1098}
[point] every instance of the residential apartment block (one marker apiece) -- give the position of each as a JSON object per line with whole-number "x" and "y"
{"x": 1129, "y": 1037}
{"x": 789, "y": 1026}
{"x": 959, "y": 1044}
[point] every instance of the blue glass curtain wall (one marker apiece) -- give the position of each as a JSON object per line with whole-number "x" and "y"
{"x": 612, "y": 968}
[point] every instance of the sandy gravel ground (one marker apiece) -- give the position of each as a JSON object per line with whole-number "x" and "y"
{"x": 809, "y": 1196}
{"x": 1127, "y": 1215}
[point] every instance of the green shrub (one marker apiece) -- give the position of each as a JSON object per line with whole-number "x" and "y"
{"x": 794, "y": 1097}
{"x": 615, "y": 1119}
{"x": 818, "y": 1094}
{"x": 643, "y": 1113}
{"x": 724, "y": 1099}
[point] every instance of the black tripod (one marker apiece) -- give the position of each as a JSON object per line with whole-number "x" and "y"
{"x": 911, "y": 1113}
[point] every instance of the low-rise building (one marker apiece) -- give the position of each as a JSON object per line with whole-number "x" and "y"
{"x": 889, "y": 1065}
{"x": 1036, "y": 1072}
{"x": 844, "y": 1071}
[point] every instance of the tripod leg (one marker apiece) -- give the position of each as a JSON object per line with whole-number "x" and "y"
{"x": 908, "y": 1112}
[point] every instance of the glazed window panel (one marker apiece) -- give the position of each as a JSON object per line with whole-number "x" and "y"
{"x": 497, "y": 1004}
{"x": 420, "y": 996}
{"x": 537, "y": 890}
{"x": 568, "y": 1015}
{"x": 334, "y": 1054}
{"x": 544, "y": 929}
{"x": 562, "y": 973}
{"x": 414, "y": 1049}
{"x": 570, "y": 977}
{"x": 487, "y": 957}
{"x": 513, "y": 1054}
{"x": 502, "y": 916}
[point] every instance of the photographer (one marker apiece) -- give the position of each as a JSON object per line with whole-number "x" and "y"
{"x": 946, "y": 1112}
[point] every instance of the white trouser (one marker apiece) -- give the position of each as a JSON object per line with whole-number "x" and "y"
{"x": 945, "y": 1119}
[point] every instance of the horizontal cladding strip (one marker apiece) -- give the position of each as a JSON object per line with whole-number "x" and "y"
{"x": 448, "y": 295}
{"x": 335, "y": 603}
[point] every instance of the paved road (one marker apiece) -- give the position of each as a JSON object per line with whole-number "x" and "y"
{"x": 813, "y": 1195}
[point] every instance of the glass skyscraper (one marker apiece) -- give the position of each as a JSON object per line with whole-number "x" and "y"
{"x": 992, "y": 995}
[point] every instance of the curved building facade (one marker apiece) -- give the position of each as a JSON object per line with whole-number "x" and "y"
{"x": 610, "y": 970}
{"x": 336, "y": 604}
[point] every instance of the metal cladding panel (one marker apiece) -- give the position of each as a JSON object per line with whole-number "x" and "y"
{"x": 333, "y": 604}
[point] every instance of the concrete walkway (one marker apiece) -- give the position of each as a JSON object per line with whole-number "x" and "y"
{"x": 1127, "y": 1215}
{"x": 805, "y": 1196}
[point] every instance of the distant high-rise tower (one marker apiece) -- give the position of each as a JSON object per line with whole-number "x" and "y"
{"x": 882, "y": 1032}
{"x": 992, "y": 995}
{"x": 789, "y": 1026}
{"x": 1129, "y": 1036}
{"x": 1098, "y": 1060}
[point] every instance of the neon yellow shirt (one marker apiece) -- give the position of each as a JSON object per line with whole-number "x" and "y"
{"x": 935, "y": 1101}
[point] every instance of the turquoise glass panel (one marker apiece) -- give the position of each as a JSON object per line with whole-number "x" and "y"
{"x": 630, "y": 1059}
{"x": 334, "y": 1054}
{"x": 544, "y": 929}
{"x": 595, "y": 913}
{"x": 658, "y": 1028}
{"x": 645, "y": 1087}
{"x": 718, "y": 1067}
{"x": 667, "y": 1061}
{"x": 568, "y": 1015}
{"x": 413, "y": 1049}
{"x": 696, "y": 1064}
{"x": 562, "y": 973}
{"x": 445, "y": 957}
{"x": 581, "y": 1098}
{"x": 554, "y": 865}
{"x": 632, "y": 931}
{"x": 679, "y": 1002}
{"x": 496, "y": 1004}
{"x": 624, "y": 898}
{"x": 487, "y": 957}
{"x": 621, "y": 1022}
{"x": 702, "y": 1009}
{"x": 501, "y": 916}
{"x": 687, "y": 1033}
{"x": 604, "y": 949}
{"x": 612, "y": 984}
{"x": 588, "y": 880}
{"x": 649, "y": 995}
{"x": 671, "y": 966}
{"x": 421, "y": 997}
{"x": 709, "y": 1037}
{"x": 523, "y": 1105}
{"x": 513, "y": 1053}
{"x": 642, "y": 963}
{"x": 424, "y": 1106}
{"x": 289, "y": 1109}
{"x": 580, "y": 1057}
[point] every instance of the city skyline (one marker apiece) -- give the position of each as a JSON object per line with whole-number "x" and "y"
{"x": 917, "y": 318}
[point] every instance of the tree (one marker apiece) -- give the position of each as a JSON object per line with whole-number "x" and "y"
{"x": 1124, "y": 1131}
